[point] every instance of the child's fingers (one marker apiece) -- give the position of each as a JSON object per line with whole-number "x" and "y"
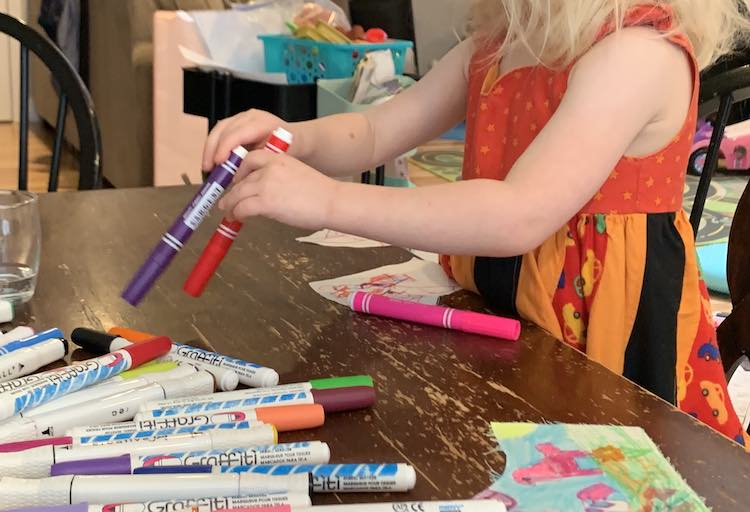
{"x": 241, "y": 190}
{"x": 254, "y": 160}
{"x": 209, "y": 149}
{"x": 248, "y": 207}
{"x": 243, "y": 130}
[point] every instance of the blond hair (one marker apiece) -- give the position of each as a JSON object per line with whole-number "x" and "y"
{"x": 558, "y": 32}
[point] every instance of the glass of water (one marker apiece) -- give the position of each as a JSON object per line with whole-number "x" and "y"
{"x": 20, "y": 245}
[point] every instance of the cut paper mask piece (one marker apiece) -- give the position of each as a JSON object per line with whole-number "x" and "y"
{"x": 586, "y": 467}
{"x": 415, "y": 281}
{"x": 330, "y": 238}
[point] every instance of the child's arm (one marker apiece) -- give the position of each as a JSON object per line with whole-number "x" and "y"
{"x": 631, "y": 91}
{"x": 346, "y": 144}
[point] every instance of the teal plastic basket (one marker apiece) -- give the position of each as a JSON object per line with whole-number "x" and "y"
{"x": 305, "y": 61}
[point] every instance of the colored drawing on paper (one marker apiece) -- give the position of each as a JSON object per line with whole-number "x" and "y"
{"x": 331, "y": 238}
{"x": 416, "y": 281}
{"x": 590, "y": 468}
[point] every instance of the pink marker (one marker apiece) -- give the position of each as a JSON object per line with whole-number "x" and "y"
{"x": 439, "y": 316}
{"x": 20, "y": 446}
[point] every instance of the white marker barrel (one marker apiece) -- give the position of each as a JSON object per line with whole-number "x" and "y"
{"x": 262, "y": 430}
{"x": 311, "y": 452}
{"x": 418, "y": 506}
{"x": 66, "y": 490}
{"x": 28, "y": 360}
{"x": 112, "y": 387}
{"x": 210, "y": 504}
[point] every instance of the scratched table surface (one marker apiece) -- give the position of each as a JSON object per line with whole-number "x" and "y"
{"x": 437, "y": 389}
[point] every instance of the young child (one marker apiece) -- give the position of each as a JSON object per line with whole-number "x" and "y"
{"x": 580, "y": 117}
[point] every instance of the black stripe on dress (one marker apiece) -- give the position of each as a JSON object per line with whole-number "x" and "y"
{"x": 651, "y": 354}
{"x": 497, "y": 281}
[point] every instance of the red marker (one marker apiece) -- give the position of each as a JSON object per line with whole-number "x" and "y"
{"x": 227, "y": 232}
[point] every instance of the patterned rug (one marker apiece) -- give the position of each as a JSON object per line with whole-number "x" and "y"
{"x": 444, "y": 159}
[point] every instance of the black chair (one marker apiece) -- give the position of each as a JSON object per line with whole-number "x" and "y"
{"x": 720, "y": 91}
{"x": 73, "y": 93}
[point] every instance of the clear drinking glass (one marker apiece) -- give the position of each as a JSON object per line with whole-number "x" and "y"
{"x": 20, "y": 245}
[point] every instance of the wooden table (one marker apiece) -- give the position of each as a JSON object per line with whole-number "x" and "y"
{"x": 437, "y": 389}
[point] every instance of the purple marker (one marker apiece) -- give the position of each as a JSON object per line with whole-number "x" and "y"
{"x": 183, "y": 228}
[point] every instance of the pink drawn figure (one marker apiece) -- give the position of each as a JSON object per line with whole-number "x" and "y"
{"x": 342, "y": 291}
{"x": 556, "y": 465}
{"x": 385, "y": 284}
{"x": 601, "y": 498}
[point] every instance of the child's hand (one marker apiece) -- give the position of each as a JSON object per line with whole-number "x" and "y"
{"x": 282, "y": 188}
{"x": 250, "y": 129}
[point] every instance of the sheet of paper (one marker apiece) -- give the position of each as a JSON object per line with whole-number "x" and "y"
{"x": 739, "y": 392}
{"x": 426, "y": 256}
{"x": 586, "y": 467}
{"x": 331, "y": 238}
{"x": 416, "y": 281}
{"x": 209, "y": 64}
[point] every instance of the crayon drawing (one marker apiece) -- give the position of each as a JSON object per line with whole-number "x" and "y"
{"x": 587, "y": 468}
{"x": 330, "y": 238}
{"x": 416, "y": 281}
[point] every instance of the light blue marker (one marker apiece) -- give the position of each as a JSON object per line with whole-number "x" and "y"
{"x": 50, "y": 334}
{"x": 127, "y": 437}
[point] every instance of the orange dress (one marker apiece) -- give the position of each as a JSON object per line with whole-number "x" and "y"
{"x": 620, "y": 281}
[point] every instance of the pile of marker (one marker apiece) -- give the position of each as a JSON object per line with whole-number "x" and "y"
{"x": 139, "y": 428}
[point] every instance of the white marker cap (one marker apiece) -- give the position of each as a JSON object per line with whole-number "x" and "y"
{"x": 6, "y": 311}
{"x": 240, "y": 152}
{"x": 284, "y": 135}
{"x": 266, "y": 377}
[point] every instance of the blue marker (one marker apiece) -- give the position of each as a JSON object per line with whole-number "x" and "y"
{"x": 327, "y": 478}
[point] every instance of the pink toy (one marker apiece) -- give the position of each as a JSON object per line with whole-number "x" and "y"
{"x": 734, "y": 147}
{"x": 449, "y": 318}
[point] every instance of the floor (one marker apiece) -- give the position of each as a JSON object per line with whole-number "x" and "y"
{"x": 40, "y": 156}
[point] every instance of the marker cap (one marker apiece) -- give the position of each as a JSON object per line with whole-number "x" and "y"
{"x": 130, "y": 334}
{"x": 344, "y": 399}
{"x": 149, "y": 350}
{"x": 292, "y": 417}
{"x": 197, "y": 384}
{"x": 153, "y": 367}
{"x": 6, "y": 311}
{"x": 93, "y": 341}
{"x": 353, "y": 381}
{"x": 35, "y": 443}
{"x": 106, "y": 466}
{"x": 240, "y": 152}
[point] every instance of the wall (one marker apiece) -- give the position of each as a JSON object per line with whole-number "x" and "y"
{"x": 436, "y": 23}
{"x": 9, "y": 62}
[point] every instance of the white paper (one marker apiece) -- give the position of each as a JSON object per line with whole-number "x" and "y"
{"x": 207, "y": 63}
{"x": 426, "y": 256}
{"x": 739, "y": 392}
{"x": 331, "y": 238}
{"x": 415, "y": 281}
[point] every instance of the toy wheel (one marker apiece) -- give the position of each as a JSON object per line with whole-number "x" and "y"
{"x": 704, "y": 392}
{"x": 697, "y": 161}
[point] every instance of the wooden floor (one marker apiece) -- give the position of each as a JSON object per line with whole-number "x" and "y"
{"x": 40, "y": 155}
